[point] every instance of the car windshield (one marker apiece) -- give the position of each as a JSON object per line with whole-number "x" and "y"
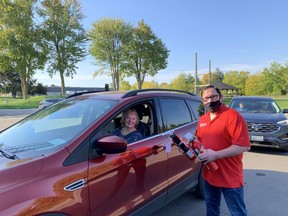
{"x": 53, "y": 127}
{"x": 255, "y": 106}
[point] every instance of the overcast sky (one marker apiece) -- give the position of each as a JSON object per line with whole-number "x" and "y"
{"x": 234, "y": 34}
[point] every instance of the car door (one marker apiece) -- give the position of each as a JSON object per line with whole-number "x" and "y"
{"x": 121, "y": 183}
{"x": 178, "y": 117}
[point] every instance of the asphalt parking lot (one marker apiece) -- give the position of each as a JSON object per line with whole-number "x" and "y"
{"x": 266, "y": 176}
{"x": 11, "y": 116}
{"x": 265, "y": 173}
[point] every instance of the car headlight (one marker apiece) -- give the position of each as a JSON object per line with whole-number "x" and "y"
{"x": 283, "y": 122}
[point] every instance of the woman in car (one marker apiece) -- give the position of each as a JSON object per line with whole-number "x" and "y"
{"x": 128, "y": 129}
{"x": 241, "y": 107}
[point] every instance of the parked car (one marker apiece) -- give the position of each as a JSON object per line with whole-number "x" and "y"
{"x": 47, "y": 102}
{"x": 267, "y": 124}
{"x": 64, "y": 160}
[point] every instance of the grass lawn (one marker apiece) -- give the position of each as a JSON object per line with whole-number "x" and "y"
{"x": 18, "y": 103}
{"x": 283, "y": 103}
{"x": 33, "y": 101}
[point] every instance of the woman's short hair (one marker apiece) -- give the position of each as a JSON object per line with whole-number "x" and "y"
{"x": 126, "y": 113}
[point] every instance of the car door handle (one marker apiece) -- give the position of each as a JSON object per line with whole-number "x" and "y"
{"x": 75, "y": 185}
{"x": 156, "y": 149}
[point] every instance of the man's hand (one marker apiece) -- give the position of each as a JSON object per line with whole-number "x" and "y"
{"x": 208, "y": 156}
{"x": 211, "y": 155}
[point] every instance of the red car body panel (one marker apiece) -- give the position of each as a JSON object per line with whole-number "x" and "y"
{"x": 120, "y": 179}
{"x": 44, "y": 192}
{"x": 179, "y": 165}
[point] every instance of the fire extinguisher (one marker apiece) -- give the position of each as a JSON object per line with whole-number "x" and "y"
{"x": 192, "y": 150}
{"x": 183, "y": 148}
{"x": 198, "y": 148}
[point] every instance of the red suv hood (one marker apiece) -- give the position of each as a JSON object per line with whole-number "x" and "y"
{"x": 17, "y": 171}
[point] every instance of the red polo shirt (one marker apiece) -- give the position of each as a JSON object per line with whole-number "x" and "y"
{"x": 227, "y": 128}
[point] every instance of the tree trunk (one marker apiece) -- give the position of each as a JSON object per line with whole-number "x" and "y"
{"x": 62, "y": 83}
{"x": 115, "y": 78}
{"x": 140, "y": 80}
{"x": 24, "y": 86}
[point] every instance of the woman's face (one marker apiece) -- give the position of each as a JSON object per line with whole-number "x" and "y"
{"x": 131, "y": 120}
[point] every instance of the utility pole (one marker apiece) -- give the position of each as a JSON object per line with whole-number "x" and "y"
{"x": 196, "y": 68}
{"x": 209, "y": 72}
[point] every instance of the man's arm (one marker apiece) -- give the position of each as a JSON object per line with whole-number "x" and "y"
{"x": 211, "y": 155}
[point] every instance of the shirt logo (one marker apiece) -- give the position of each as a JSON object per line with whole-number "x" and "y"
{"x": 203, "y": 124}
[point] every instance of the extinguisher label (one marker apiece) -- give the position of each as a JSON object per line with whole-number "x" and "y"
{"x": 190, "y": 154}
{"x": 168, "y": 147}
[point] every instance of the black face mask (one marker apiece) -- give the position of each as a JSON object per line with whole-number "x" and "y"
{"x": 213, "y": 106}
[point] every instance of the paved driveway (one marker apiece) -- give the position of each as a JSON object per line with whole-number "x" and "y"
{"x": 266, "y": 189}
{"x": 11, "y": 116}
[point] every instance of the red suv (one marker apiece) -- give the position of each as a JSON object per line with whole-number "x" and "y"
{"x": 64, "y": 160}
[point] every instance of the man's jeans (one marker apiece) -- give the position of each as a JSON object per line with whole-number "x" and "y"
{"x": 234, "y": 198}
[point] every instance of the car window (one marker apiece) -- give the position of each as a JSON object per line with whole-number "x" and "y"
{"x": 145, "y": 125}
{"x": 197, "y": 108}
{"x": 54, "y": 126}
{"x": 255, "y": 106}
{"x": 175, "y": 113}
{"x": 241, "y": 105}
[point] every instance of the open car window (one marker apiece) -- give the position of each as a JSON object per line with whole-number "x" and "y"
{"x": 145, "y": 126}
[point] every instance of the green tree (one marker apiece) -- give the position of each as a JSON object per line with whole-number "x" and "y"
{"x": 146, "y": 54}
{"x": 217, "y": 76}
{"x": 275, "y": 79}
{"x": 64, "y": 35}
{"x": 20, "y": 41}
{"x": 254, "y": 85}
{"x": 108, "y": 40}
{"x": 237, "y": 79}
{"x": 124, "y": 85}
{"x": 37, "y": 89}
{"x": 285, "y": 76}
{"x": 151, "y": 84}
{"x": 183, "y": 82}
{"x": 10, "y": 82}
{"x": 164, "y": 85}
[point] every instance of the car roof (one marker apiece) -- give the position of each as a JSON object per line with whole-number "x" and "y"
{"x": 118, "y": 95}
{"x": 252, "y": 98}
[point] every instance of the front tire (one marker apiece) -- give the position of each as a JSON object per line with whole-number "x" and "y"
{"x": 199, "y": 191}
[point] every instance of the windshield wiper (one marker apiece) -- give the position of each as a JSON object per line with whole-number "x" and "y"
{"x": 5, "y": 154}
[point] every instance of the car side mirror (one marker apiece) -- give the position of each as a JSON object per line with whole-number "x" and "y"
{"x": 285, "y": 110}
{"x": 111, "y": 145}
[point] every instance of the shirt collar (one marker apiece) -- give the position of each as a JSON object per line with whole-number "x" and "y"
{"x": 222, "y": 109}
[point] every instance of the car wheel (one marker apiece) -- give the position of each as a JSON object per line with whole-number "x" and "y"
{"x": 199, "y": 191}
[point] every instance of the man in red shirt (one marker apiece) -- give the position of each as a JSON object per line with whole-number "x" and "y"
{"x": 224, "y": 134}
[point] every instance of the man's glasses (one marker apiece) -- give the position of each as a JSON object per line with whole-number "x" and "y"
{"x": 212, "y": 97}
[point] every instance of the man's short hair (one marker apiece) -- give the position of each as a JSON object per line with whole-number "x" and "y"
{"x": 211, "y": 86}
